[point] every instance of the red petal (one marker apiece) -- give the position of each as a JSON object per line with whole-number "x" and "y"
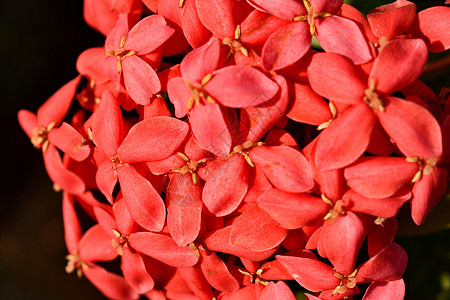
{"x": 98, "y": 15}
{"x": 153, "y": 139}
{"x": 143, "y": 202}
{"x": 329, "y": 71}
{"x": 194, "y": 279}
{"x": 413, "y": 128}
{"x": 148, "y": 34}
{"x": 380, "y": 177}
{"x": 254, "y": 230}
{"x": 111, "y": 285}
{"x": 427, "y": 193}
{"x": 28, "y": 121}
{"x": 140, "y": 79}
{"x": 56, "y": 107}
{"x": 291, "y": 210}
{"x": 70, "y": 141}
{"x": 107, "y": 125}
{"x": 284, "y": 9}
{"x": 226, "y": 186}
{"x": 194, "y": 31}
{"x": 88, "y": 64}
{"x": 72, "y": 227}
{"x": 389, "y": 264}
{"x": 277, "y": 291}
{"x": 184, "y": 209}
{"x": 345, "y": 235}
{"x": 210, "y": 127}
{"x": 342, "y": 36}
{"x": 106, "y": 179}
{"x": 310, "y": 273}
{"x": 399, "y": 64}
{"x": 286, "y": 45}
{"x": 308, "y": 107}
{"x": 134, "y": 271}
{"x": 179, "y": 95}
{"x": 286, "y": 168}
{"x": 59, "y": 174}
{"x": 163, "y": 248}
{"x": 95, "y": 245}
{"x": 216, "y": 272}
{"x": 201, "y": 61}
{"x": 378, "y": 207}
{"x": 217, "y": 16}
{"x": 392, "y": 19}
{"x": 428, "y": 26}
{"x": 240, "y": 86}
{"x": 125, "y": 223}
{"x": 346, "y": 139}
{"x": 394, "y": 290}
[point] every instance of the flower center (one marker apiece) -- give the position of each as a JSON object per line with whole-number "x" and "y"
{"x": 74, "y": 262}
{"x": 120, "y": 241}
{"x": 311, "y": 16}
{"x": 116, "y": 162}
{"x": 255, "y": 277}
{"x": 235, "y": 45}
{"x": 120, "y": 53}
{"x": 347, "y": 282}
{"x": 40, "y": 136}
{"x": 198, "y": 92}
{"x": 336, "y": 208}
{"x": 190, "y": 167}
{"x": 426, "y": 166}
{"x": 243, "y": 150}
{"x": 372, "y": 99}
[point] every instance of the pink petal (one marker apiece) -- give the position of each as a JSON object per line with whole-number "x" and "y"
{"x": 163, "y": 248}
{"x": 346, "y": 139}
{"x": 153, "y": 139}
{"x": 246, "y": 231}
{"x": 394, "y": 290}
{"x": 109, "y": 284}
{"x": 380, "y": 177}
{"x": 106, "y": 179}
{"x": 226, "y": 186}
{"x": 184, "y": 209}
{"x": 56, "y": 107}
{"x": 194, "y": 31}
{"x": 399, "y": 64}
{"x": 179, "y": 95}
{"x": 88, "y": 64}
{"x": 291, "y": 210}
{"x": 340, "y": 72}
{"x": 413, "y": 128}
{"x": 140, "y": 79}
{"x": 59, "y": 174}
{"x": 240, "y": 86}
{"x": 342, "y": 36}
{"x": 286, "y": 168}
{"x": 286, "y": 46}
{"x": 277, "y": 291}
{"x": 388, "y": 265}
{"x": 148, "y": 34}
{"x": 125, "y": 223}
{"x": 143, "y": 202}
{"x": 107, "y": 125}
{"x": 134, "y": 271}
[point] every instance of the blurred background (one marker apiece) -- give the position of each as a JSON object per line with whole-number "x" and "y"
{"x": 41, "y": 41}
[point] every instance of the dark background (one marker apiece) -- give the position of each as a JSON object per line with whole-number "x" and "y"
{"x": 40, "y": 42}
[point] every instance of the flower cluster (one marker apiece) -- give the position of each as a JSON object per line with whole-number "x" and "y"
{"x": 219, "y": 155}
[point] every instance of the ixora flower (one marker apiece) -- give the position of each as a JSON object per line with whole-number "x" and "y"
{"x": 199, "y": 171}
